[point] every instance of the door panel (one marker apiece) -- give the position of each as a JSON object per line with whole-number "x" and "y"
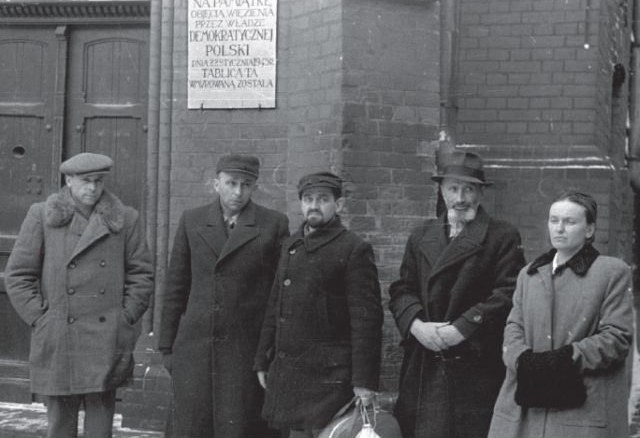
{"x": 108, "y": 103}
{"x": 27, "y": 61}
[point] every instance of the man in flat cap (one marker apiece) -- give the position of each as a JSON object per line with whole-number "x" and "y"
{"x": 451, "y": 302}
{"x": 222, "y": 266}
{"x": 321, "y": 339}
{"x": 81, "y": 277}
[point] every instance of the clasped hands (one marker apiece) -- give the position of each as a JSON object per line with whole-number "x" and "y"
{"x": 436, "y": 336}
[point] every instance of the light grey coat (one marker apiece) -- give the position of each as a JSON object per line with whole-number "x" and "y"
{"x": 81, "y": 284}
{"x": 592, "y": 312}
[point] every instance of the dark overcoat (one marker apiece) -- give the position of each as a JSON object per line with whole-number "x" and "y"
{"x": 323, "y": 329}
{"x": 468, "y": 282}
{"x": 216, "y": 294}
{"x": 81, "y": 284}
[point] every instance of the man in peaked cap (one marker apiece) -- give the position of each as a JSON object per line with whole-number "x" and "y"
{"x": 222, "y": 266}
{"x": 450, "y": 304}
{"x": 80, "y": 275}
{"x": 324, "y": 319}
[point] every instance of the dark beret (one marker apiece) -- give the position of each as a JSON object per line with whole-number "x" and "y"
{"x": 239, "y": 163}
{"x": 86, "y": 163}
{"x": 320, "y": 179}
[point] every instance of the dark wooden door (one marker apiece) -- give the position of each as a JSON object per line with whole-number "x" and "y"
{"x": 27, "y": 170}
{"x": 63, "y": 90}
{"x": 107, "y": 103}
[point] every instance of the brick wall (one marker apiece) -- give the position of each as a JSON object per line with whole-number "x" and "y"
{"x": 525, "y": 73}
{"x": 390, "y": 117}
{"x": 535, "y": 94}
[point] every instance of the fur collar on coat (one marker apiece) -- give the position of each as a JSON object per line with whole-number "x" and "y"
{"x": 579, "y": 263}
{"x": 60, "y": 208}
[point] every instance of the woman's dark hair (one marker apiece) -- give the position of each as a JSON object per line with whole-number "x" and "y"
{"x": 585, "y": 201}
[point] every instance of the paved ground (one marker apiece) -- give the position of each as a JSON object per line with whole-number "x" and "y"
{"x": 29, "y": 421}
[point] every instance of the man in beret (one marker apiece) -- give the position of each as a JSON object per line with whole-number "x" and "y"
{"x": 80, "y": 276}
{"x": 321, "y": 339}
{"x": 222, "y": 266}
{"x": 451, "y": 302}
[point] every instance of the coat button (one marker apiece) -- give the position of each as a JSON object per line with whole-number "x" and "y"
{"x": 71, "y": 291}
{"x": 477, "y": 318}
{"x": 102, "y": 290}
{"x": 282, "y": 355}
{"x": 282, "y": 319}
{"x": 103, "y": 263}
{"x": 102, "y": 319}
{"x": 72, "y": 265}
{"x": 292, "y": 251}
{"x": 71, "y": 320}
{"x": 287, "y": 282}
{"x": 216, "y": 307}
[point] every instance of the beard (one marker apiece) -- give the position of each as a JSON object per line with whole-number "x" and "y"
{"x": 458, "y": 218}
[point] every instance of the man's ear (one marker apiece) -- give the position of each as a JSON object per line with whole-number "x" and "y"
{"x": 340, "y": 204}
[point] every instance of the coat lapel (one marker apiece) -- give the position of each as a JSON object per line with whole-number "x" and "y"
{"x": 468, "y": 242}
{"x": 244, "y": 231}
{"x": 434, "y": 241}
{"x": 95, "y": 230}
{"x": 213, "y": 230}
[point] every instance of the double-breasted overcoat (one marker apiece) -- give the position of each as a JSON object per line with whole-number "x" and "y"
{"x": 81, "y": 284}
{"x": 214, "y": 302}
{"x": 588, "y": 306}
{"x": 467, "y": 282}
{"x": 322, "y": 333}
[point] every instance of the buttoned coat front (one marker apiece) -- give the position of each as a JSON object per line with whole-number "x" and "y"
{"x": 469, "y": 283}
{"x": 593, "y": 312}
{"x": 322, "y": 333}
{"x": 80, "y": 283}
{"x": 216, "y": 294}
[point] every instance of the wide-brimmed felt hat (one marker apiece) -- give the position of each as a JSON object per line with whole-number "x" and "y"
{"x": 462, "y": 165}
{"x": 87, "y": 163}
{"x": 247, "y": 164}
{"x": 321, "y": 179}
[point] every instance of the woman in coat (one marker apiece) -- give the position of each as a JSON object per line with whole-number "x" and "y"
{"x": 568, "y": 337}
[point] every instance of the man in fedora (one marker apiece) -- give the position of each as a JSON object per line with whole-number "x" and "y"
{"x": 81, "y": 277}
{"x": 222, "y": 265}
{"x": 450, "y": 304}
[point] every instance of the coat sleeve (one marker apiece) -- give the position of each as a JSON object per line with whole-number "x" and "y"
{"x": 405, "y": 303}
{"x": 508, "y": 260}
{"x": 138, "y": 284}
{"x": 268, "y": 332}
{"x": 514, "y": 340}
{"x": 24, "y": 268}
{"x": 365, "y": 315}
{"x": 178, "y": 287}
{"x": 611, "y": 342}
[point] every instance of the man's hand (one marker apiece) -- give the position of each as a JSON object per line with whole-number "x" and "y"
{"x": 450, "y": 335}
{"x": 262, "y": 378}
{"x": 167, "y": 361}
{"x": 364, "y": 394}
{"x": 427, "y": 334}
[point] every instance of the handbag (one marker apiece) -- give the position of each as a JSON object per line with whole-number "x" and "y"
{"x": 354, "y": 420}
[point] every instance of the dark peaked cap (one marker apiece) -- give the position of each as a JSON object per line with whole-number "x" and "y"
{"x": 86, "y": 163}
{"x": 320, "y": 179}
{"x": 247, "y": 164}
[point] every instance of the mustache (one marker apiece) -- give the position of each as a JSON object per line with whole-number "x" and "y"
{"x": 313, "y": 211}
